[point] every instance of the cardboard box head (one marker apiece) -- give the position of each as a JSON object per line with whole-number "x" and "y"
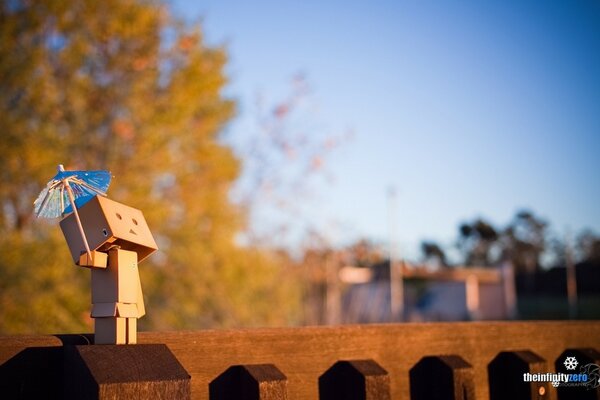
{"x": 107, "y": 223}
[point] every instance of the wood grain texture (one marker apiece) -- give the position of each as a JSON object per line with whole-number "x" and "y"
{"x": 447, "y": 377}
{"x": 249, "y": 382}
{"x": 304, "y": 354}
{"x": 506, "y": 376}
{"x": 103, "y": 372}
{"x": 34, "y": 373}
{"x": 355, "y": 380}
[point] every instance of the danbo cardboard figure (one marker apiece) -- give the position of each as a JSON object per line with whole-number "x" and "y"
{"x": 121, "y": 239}
{"x": 107, "y": 237}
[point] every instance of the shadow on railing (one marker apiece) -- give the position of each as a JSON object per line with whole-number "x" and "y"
{"x": 493, "y": 360}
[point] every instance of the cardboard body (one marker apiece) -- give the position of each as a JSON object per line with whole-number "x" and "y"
{"x": 107, "y": 224}
{"x": 122, "y": 232}
{"x": 117, "y": 299}
{"x": 117, "y": 290}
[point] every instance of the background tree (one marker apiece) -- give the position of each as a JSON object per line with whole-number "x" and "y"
{"x": 478, "y": 241}
{"x": 588, "y": 246}
{"x": 284, "y": 154}
{"x": 362, "y": 253}
{"x": 124, "y": 86}
{"x": 433, "y": 254}
{"x": 525, "y": 240}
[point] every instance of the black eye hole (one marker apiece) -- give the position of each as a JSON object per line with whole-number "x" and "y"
{"x": 134, "y": 221}
{"x": 119, "y": 216}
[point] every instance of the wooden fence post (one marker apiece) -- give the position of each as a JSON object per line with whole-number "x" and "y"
{"x": 507, "y": 373}
{"x": 442, "y": 378}
{"x": 141, "y": 371}
{"x": 249, "y": 382}
{"x": 33, "y": 373}
{"x": 355, "y": 380}
{"x": 586, "y": 361}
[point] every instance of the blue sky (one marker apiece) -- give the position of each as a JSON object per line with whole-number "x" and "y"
{"x": 466, "y": 108}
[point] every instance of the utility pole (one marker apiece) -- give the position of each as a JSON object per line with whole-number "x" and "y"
{"x": 571, "y": 279}
{"x": 396, "y": 273}
{"x": 333, "y": 294}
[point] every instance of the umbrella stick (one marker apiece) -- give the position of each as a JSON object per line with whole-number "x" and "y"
{"x": 72, "y": 198}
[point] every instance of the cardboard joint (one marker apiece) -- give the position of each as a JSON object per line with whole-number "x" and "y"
{"x": 98, "y": 260}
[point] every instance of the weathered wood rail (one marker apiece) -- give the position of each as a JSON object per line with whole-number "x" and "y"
{"x": 388, "y": 361}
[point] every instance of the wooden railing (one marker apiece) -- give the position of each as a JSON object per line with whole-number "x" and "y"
{"x": 397, "y": 361}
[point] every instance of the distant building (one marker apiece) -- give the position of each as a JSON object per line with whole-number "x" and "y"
{"x": 450, "y": 294}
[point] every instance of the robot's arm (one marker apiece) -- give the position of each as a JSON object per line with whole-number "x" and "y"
{"x": 98, "y": 260}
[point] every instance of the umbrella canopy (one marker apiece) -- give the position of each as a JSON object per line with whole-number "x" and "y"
{"x": 68, "y": 190}
{"x": 54, "y": 201}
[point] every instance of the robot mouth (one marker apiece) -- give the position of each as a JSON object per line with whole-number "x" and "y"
{"x": 132, "y": 231}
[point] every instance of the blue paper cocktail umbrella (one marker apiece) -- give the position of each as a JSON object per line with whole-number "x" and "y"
{"x": 68, "y": 190}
